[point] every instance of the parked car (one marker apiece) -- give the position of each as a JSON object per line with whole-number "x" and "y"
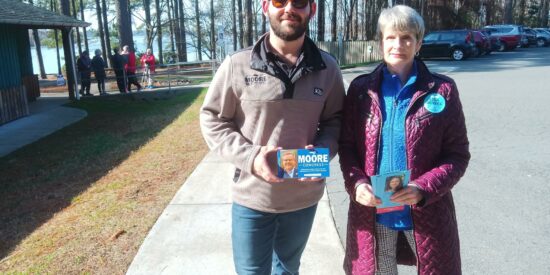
{"x": 508, "y": 35}
{"x": 482, "y": 43}
{"x": 543, "y": 37}
{"x": 495, "y": 42}
{"x": 529, "y": 38}
{"x": 456, "y": 44}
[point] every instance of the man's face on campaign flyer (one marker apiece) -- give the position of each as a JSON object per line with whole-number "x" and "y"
{"x": 288, "y": 161}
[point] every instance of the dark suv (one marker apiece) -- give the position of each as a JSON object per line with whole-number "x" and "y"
{"x": 456, "y": 44}
{"x": 509, "y": 35}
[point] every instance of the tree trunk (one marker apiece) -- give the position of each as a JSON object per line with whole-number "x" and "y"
{"x": 65, "y": 34}
{"x": 355, "y": 21}
{"x": 159, "y": 32}
{"x": 521, "y": 11}
{"x": 106, "y": 31}
{"x": 124, "y": 24}
{"x": 234, "y": 29}
{"x": 212, "y": 32}
{"x": 334, "y": 25}
{"x": 241, "y": 29}
{"x": 54, "y": 9}
{"x": 101, "y": 34}
{"x": 177, "y": 33}
{"x": 171, "y": 22}
{"x": 508, "y": 11}
{"x": 248, "y": 15}
{"x": 183, "y": 41}
{"x": 148, "y": 25}
{"x": 321, "y": 20}
{"x": 38, "y": 48}
{"x": 543, "y": 22}
{"x": 79, "y": 43}
{"x": 199, "y": 35}
{"x": 84, "y": 28}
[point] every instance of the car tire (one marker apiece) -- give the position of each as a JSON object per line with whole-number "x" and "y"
{"x": 541, "y": 42}
{"x": 457, "y": 54}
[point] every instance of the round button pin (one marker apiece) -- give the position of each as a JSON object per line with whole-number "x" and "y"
{"x": 434, "y": 103}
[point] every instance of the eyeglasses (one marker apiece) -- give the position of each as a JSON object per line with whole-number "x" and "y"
{"x": 299, "y": 4}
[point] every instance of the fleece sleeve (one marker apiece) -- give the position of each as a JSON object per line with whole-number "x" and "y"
{"x": 217, "y": 121}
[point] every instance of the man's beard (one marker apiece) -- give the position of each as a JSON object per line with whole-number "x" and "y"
{"x": 293, "y": 32}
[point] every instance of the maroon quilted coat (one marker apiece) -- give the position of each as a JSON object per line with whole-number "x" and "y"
{"x": 437, "y": 155}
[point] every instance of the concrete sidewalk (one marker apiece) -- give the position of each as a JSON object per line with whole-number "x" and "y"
{"x": 46, "y": 116}
{"x": 193, "y": 234}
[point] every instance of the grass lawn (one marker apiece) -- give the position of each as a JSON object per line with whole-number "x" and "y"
{"x": 82, "y": 200}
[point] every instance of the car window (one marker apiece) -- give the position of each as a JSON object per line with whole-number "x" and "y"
{"x": 504, "y": 30}
{"x": 431, "y": 37}
{"x": 448, "y": 36}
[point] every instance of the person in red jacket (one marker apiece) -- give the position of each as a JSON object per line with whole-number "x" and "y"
{"x": 403, "y": 117}
{"x": 130, "y": 68}
{"x": 148, "y": 65}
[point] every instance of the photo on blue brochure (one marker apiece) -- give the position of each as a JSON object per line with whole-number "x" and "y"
{"x": 385, "y": 185}
{"x": 303, "y": 163}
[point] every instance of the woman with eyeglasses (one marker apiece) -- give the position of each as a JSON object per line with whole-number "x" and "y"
{"x": 403, "y": 117}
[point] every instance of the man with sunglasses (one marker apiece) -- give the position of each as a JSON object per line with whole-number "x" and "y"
{"x": 281, "y": 93}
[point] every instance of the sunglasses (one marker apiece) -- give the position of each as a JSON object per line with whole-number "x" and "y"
{"x": 299, "y": 4}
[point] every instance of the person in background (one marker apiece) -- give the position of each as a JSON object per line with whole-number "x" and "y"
{"x": 148, "y": 65}
{"x": 403, "y": 117}
{"x": 117, "y": 61}
{"x": 281, "y": 93}
{"x": 98, "y": 66}
{"x": 130, "y": 68}
{"x": 84, "y": 66}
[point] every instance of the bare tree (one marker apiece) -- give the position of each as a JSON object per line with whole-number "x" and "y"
{"x": 182, "y": 54}
{"x": 38, "y": 48}
{"x": 234, "y": 21}
{"x": 85, "y": 34}
{"x": 100, "y": 30}
{"x": 241, "y": 28}
{"x": 212, "y": 32}
{"x": 508, "y": 11}
{"x": 198, "y": 29}
{"x": 171, "y": 24}
{"x": 106, "y": 30}
{"x": 543, "y": 19}
{"x": 159, "y": 31}
{"x": 124, "y": 23}
{"x": 321, "y": 21}
{"x": 64, "y": 6}
{"x": 334, "y": 29}
{"x": 148, "y": 25}
{"x": 79, "y": 43}
{"x": 248, "y": 16}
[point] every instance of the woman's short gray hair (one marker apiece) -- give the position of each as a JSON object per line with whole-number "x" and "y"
{"x": 401, "y": 18}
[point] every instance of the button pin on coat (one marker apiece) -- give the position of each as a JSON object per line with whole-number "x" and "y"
{"x": 434, "y": 103}
{"x": 318, "y": 91}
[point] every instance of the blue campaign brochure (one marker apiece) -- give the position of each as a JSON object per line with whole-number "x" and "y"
{"x": 385, "y": 185}
{"x": 303, "y": 163}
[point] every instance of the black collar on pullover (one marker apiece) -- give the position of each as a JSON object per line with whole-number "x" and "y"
{"x": 264, "y": 61}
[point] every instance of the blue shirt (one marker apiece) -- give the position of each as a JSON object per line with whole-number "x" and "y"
{"x": 393, "y": 152}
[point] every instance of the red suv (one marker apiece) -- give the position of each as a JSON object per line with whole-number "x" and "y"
{"x": 508, "y": 35}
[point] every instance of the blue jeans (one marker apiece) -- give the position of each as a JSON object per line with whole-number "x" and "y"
{"x": 264, "y": 240}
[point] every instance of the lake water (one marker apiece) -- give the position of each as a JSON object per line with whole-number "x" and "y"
{"x": 49, "y": 55}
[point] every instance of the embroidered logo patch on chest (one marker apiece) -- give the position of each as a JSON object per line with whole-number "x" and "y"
{"x": 254, "y": 79}
{"x": 318, "y": 91}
